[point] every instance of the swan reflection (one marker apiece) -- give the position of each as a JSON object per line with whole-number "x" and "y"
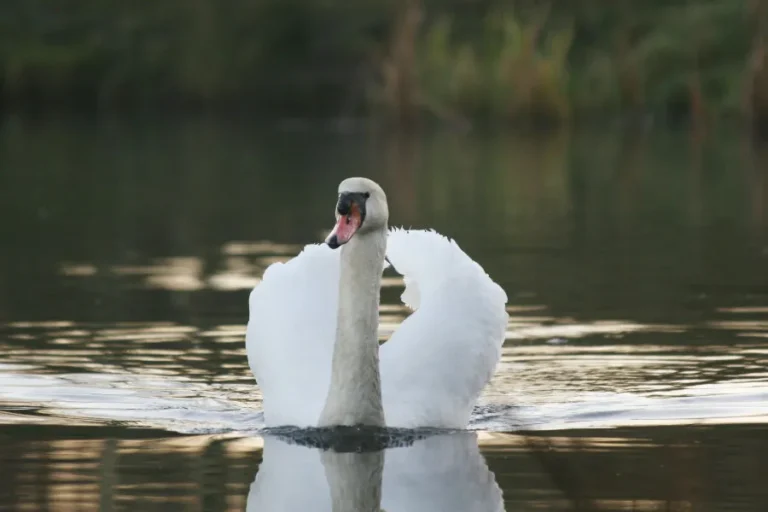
{"x": 443, "y": 472}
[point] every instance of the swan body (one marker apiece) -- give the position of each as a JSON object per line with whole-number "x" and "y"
{"x": 312, "y": 332}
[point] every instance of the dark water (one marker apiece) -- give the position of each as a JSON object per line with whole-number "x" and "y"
{"x": 634, "y": 376}
{"x": 652, "y": 468}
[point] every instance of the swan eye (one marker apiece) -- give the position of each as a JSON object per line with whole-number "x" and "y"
{"x": 367, "y": 195}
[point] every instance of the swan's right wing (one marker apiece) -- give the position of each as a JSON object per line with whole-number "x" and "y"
{"x": 290, "y": 335}
{"x": 435, "y": 365}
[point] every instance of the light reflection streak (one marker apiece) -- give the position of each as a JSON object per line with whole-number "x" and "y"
{"x": 521, "y": 332}
{"x": 743, "y": 325}
{"x": 78, "y": 270}
{"x": 743, "y": 310}
{"x": 241, "y": 268}
{"x": 240, "y": 248}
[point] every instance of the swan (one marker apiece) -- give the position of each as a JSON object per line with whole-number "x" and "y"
{"x": 312, "y": 333}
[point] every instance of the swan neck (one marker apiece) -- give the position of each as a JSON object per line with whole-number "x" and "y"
{"x": 354, "y": 395}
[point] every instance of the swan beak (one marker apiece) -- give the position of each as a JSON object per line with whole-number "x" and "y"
{"x": 351, "y": 213}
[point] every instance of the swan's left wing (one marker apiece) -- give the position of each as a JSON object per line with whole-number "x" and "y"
{"x": 290, "y": 335}
{"x": 435, "y": 365}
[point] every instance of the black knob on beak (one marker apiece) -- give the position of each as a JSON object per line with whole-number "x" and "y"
{"x": 345, "y": 204}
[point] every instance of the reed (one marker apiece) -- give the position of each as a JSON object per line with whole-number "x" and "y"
{"x": 515, "y": 71}
{"x": 456, "y": 62}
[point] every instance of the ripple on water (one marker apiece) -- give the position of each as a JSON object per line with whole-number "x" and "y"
{"x": 196, "y": 378}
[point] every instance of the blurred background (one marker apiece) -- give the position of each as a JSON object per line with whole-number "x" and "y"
{"x": 560, "y": 141}
{"x": 453, "y": 61}
{"x": 604, "y": 161}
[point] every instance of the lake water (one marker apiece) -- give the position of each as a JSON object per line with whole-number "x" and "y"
{"x": 634, "y": 376}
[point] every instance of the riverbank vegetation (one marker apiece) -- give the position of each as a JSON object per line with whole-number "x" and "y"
{"x": 456, "y": 61}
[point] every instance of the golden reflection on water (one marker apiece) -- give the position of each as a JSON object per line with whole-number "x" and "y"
{"x": 589, "y": 470}
{"x": 241, "y": 267}
{"x": 244, "y": 248}
{"x": 133, "y": 474}
{"x": 108, "y": 371}
{"x": 530, "y": 328}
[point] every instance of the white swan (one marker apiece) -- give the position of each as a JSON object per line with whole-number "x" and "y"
{"x": 312, "y": 336}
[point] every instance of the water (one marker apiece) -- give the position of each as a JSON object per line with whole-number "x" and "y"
{"x": 633, "y": 378}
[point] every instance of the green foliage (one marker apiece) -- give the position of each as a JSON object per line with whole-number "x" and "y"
{"x": 161, "y": 52}
{"x": 673, "y": 58}
{"x": 486, "y": 59}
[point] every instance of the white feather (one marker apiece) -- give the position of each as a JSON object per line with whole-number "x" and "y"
{"x": 290, "y": 335}
{"x": 434, "y": 366}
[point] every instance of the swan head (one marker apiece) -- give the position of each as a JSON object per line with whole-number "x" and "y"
{"x": 361, "y": 208}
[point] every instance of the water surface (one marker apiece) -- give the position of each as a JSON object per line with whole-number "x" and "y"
{"x": 634, "y": 262}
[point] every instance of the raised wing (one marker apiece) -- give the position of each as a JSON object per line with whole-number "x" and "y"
{"x": 290, "y": 335}
{"x": 436, "y": 364}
